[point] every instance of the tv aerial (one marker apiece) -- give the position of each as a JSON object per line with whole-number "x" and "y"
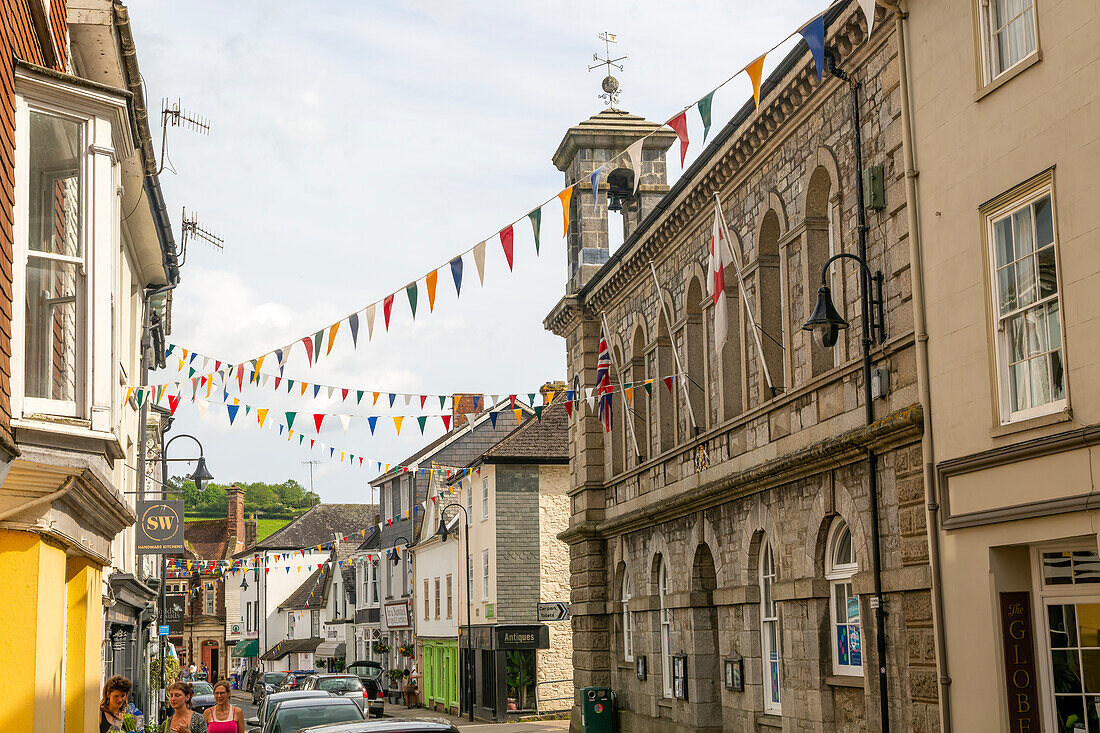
{"x": 192, "y": 229}
{"x": 610, "y": 84}
{"x": 176, "y": 115}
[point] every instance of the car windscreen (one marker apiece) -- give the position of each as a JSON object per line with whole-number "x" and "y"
{"x": 340, "y": 684}
{"x": 203, "y": 688}
{"x": 272, "y": 678}
{"x": 289, "y": 721}
{"x": 373, "y": 672}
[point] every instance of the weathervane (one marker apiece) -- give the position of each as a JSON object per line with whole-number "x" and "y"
{"x": 610, "y": 84}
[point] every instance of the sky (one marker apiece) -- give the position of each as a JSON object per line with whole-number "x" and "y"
{"x": 356, "y": 146}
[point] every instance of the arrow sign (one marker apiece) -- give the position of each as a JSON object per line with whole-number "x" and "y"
{"x": 553, "y": 611}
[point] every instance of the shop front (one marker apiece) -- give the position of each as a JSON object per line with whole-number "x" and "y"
{"x": 505, "y": 667}
{"x": 440, "y": 669}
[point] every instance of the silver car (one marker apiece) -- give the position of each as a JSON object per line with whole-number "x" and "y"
{"x": 270, "y": 701}
{"x": 344, "y": 685}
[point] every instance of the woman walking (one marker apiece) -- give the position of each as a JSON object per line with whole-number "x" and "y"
{"x": 223, "y": 717}
{"x": 183, "y": 718}
{"x": 112, "y": 716}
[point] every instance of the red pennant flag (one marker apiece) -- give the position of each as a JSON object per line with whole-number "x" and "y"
{"x": 217, "y": 365}
{"x": 173, "y": 402}
{"x": 512, "y": 400}
{"x": 387, "y": 306}
{"x": 277, "y": 381}
{"x": 318, "y": 419}
{"x": 446, "y": 422}
{"x": 679, "y": 123}
{"x": 569, "y": 408}
{"x": 506, "y": 242}
{"x": 240, "y": 377}
{"x": 668, "y": 383}
{"x": 345, "y": 393}
{"x": 433, "y": 500}
{"x": 311, "y": 441}
{"x": 309, "y": 349}
{"x": 423, "y": 399}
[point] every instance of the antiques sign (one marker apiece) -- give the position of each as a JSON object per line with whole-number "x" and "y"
{"x": 160, "y": 527}
{"x": 1019, "y": 644}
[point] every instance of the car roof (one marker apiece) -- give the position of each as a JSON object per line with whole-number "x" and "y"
{"x": 391, "y": 725}
{"x": 291, "y": 694}
{"x": 312, "y": 701}
{"x": 333, "y": 674}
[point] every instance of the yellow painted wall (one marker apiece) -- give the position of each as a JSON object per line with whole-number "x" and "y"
{"x": 19, "y": 560}
{"x": 83, "y": 644}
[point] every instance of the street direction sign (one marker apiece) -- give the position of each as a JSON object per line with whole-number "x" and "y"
{"x": 553, "y": 611}
{"x": 163, "y": 630}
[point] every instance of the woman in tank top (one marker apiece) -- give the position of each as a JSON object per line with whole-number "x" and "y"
{"x": 223, "y": 717}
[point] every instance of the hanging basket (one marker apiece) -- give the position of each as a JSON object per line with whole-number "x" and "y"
{"x": 380, "y": 647}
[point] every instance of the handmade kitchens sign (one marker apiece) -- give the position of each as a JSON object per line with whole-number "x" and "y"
{"x": 1018, "y": 634}
{"x": 160, "y": 527}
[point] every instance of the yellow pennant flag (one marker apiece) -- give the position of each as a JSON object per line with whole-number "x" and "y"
{"x": 430, "y": 281}
{"x": 259, "y": 363}
{"x": 261, "y": 415}
{"x": 304, "y": 385}
{"x": 549, "y": 398}
{"x": 341, "y": 456}
{"x": 332, "y": 337}
{"x": 397, "y": 423}
{"x": 519, "y": 415}
{"x": 754, "y": 70}
{"x": 289, "y": 434}
{"x": 629, "y": 391}
{"x": 129, "y": 393}
{"x": 565, "y": 196}
{"x": 181, "y": 366}
{"x": 375, "y": 398}
{"x": 209, "y": 384}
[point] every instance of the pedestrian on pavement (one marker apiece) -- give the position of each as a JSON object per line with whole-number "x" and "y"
{"x": 184, "y": 719}
{"x": 223, "y": 717}
{"x": 112, "y": 706}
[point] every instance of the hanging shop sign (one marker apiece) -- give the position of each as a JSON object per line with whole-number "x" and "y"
{"x": 534, "y": 636}
{"x": 160, "y": 527}
{"x": 1018, "y": 635}
{"x": 397, "y": 615}
{"x": 175, "y": 604}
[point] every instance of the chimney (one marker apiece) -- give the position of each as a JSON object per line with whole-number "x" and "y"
{"x": 251, "y": 527}
{"x": 464, "y": 405}
{"x": 557, "y": 387}
{"x": 235, "y": 515}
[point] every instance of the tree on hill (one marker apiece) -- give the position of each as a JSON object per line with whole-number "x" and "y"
{"x": 273, "y": 501}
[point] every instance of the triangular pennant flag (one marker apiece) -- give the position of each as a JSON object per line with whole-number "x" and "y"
{"x": 387, "y": 307}
{"x": 304, "y": 386}
{"x": 442, "y": 400}
{"x": 814, "y": 35}
{"x": 519, "y": 415}
{"x": 512, "y": 401}
{"x": 331, "y": 337}
{"x": 668, "y": 383}
{"x": 375, "y": 398}
{"x": 595, "y": 178}
{"x": 173, "y": 403}
{"x": 634, "y": 153}
{"x": 869, "y": 13}
{"x": 411, "y": 291}
{"x": 493, "y": 418}
{"x": 569, "y": 408}
{"x": 679, "y": 123}
{"x": 289, "y": 385}
{"x": 408, "y": 399}
{"x": 345, "y": 420}
{"x": 129, "y": 394}
{"x": 479, "y": 260}
{"x": 140, "y": 396}
{"x": 393, "y": 397}
{"x": 311, "y": 443}
{"x": 369, "y": 313}
{"x": 397, "y": 423}
{"x": 538, "y": 411}
{"x": 536, "y": 225}
{"x": 648, "y": 387}
{"x": 316, "y": 390}
{"x": 353, "y": 324}
{"x": 261, "y": 415}
{"x": 233, "y": 409}
{"x": 308, "y": 343}
{"x": 756, "y": 68}
{"x": 549, "y": 397}
{"x": 343, "y": 395}
{"x": 446, "y": 422}
{"x": 629, "y": 392}
{"x": 318, "y": 418}
{"x": 565, "y": 197}
{"x": 317, "y": 338}
{"x": 531, "y": 398}
{"x": 289, "y": 420}
{"x": 506, "y": 243}
{"x": 456, "y": 273}
{"x": 704, "y": 106}
{"x": 423, "y": 420}
{"x": 430, "y": 282}
{"x": 358, "y": 396}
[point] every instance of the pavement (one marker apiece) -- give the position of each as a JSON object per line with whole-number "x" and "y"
{"x": 243, "y": 700}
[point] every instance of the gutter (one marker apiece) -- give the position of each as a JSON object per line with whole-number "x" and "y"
{"x": 66, "y": 487}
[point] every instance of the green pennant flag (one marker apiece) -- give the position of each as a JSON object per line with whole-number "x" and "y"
{"x": 289, "y": 384}
{"x": 171, "y": 348}
{"x": 139, "y": 395}
{"x": 536, "y": 224}
{"x": 247, "y": 409}
{"x": 358, "y": 396}
{"x": 410, "y": 290}
{"x": 290, "y": 419}
{"x": 301, "y": 438}
{"x": 704, "y": 113}
{"x": 317, "y": 337}
{"x": 538, "y": 412}
{"x": 190, "y": 372}
{"x": 423, "y": 420}
{"x": 531, "y": 398}
{"x": 442, "y": 400}
{"x": 649, "y": 388}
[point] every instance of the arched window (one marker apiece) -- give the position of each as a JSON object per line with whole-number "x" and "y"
{"x": 819, "y": 247}
{"x": 769, "y": 630}
{"x": 628, "y": 622}
{"x": 840, "y": 566}
{"x": 694, "y": 358}
{"x": 638, "y": 402}
{"x": 666, "y": 628}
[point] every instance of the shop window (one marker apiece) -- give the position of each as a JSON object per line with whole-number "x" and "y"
{"x": 846, "y": 636}
{"x": 520, "y": 677}
{"x": 769, "y": 630}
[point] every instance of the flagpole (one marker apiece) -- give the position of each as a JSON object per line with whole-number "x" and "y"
{"x": 626, "y": 413}
{"x": 675, "y": 354}
{"x": 745, "y": 296}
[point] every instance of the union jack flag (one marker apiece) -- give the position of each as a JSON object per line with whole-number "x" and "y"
{"x": 603, "y": 383}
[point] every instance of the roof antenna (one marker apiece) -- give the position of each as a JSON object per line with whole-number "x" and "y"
{"x": 191, "y": 229}
{"x": 176, "y": 115}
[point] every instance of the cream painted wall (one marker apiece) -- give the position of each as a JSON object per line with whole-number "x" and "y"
{"x": 483, "y": 536}
{"x": 555, "y": 663}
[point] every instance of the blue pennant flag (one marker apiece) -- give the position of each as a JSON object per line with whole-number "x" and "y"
{"x": 353, "y": 323}
{"x": 372, "y": 421}
{"x": 596, "y": 184}
{"x": 456, "y": 273}
{"x": 232, "y": 412}
{"x": 493, "y": 418}
{"x": 814, "y": 35}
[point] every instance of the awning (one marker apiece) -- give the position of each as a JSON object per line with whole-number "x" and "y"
{"x": 290, "y": 646}
{"x": 246, "y": 648}
{"x": 330, "y": 650}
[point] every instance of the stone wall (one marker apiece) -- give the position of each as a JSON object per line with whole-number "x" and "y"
{"x": 555, "y": 663}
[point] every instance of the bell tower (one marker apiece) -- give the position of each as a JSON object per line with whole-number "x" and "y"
{"x": 584, "y": 149}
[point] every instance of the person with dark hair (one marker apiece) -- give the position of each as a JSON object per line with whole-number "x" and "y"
{"x": 112, "y": 706}
{"x": 223, "y": 717}
{"x": 184, "y": 719}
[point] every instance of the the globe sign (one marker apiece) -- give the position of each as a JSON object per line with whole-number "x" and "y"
{"x": 160, "y": 527}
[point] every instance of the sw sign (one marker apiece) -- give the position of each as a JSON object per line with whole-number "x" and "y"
{"x": 553, "y": 611}
{"x": 160, "y": 527}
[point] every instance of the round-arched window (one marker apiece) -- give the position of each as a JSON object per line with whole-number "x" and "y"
{"x": 844, "y": 611}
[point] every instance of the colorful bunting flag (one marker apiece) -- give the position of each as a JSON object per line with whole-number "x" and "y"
{"x": 387, "y": 306}
{"x": 634, "y": 154}
{"x": 353, "y": 324}
{"x": 411, "y": 291}
{"x": 565, "y": 197}
{"x": 595, "y": 177}
{"x": 814, "y": 35}
{"x": 331, "y": 337}
{"x": 536, "y": 224}
{"x": 479, "y": 260}
{"x": 369, "y": 313}
{"x": 506, "y": 243}
{"x": 704, "y": 106}
{"x": 754, "y": 70}
{"x": 430, "y": 282}
{"x": 679, "y": 123}
{"x": 456, "y": 273}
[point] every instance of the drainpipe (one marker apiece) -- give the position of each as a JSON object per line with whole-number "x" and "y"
{"x": 65, "y": 488}
{"x": 916, "y": 269}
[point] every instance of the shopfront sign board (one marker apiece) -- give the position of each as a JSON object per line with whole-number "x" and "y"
{"x": 159, "y": 527}
{"x": 1018, "y": 635}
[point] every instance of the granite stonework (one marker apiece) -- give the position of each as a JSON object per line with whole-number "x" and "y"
{"x": 703, "y": 494}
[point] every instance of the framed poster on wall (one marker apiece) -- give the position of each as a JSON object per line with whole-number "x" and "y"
{"x": 734, "y": 674}
{"x": 679, "y": 676}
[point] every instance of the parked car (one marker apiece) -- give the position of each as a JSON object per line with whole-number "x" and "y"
{"x": 290, "y": 716}
{"x": 390, "y": 725}
{"x": 265, "y": 684}
{"x": 293, "y": 679}
{"x": 373, "y": 678}
{"x": 350, "y": 686}
{"x": 203, "y": 697}
{"x": 256, "y": 724}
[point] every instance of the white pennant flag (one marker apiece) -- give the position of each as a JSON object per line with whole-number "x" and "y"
{"x": 479, "y": 260}
{"x": 868, "y": 12}
{"x": 331, "y": 391}
{"x": 591, "y": 402}
{"x": 408, "y": 399}
{"x": 634, "y": 152}
{"x": 345, "y": 420}
{"x": 369, "y": 313}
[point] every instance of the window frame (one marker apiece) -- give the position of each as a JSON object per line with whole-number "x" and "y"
{"x": 485, "y": 575}
{"x": 437, "y": 598}
{"x": 628, "y": 620}
{"x": 766, "y": 563}
{"x": 210, "y": 602}
{"x": 1019, "y": 197}
{"x": 666, "y": 627}
{"x": 987, "y": 47}
{"x": 450, "y": 595}
{"x": 838, "y": 575}
{"x": 315, "y": 623}
{"x": 484, "y": 497}
{"x": 427, "y": 601}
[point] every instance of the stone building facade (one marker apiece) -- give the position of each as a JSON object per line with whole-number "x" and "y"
{"x": 735, "y": 552}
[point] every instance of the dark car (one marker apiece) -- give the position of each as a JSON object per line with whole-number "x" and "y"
{"x": 390, "y": 725}
{"x": 203, "y": 697}
{"x": 372, "y": 676}
{"x": 349, "y": 686}
{"x": 265, "y": 684}
{"x": 274, "y": 699}
{"x": 292, "y": 680}
{"x": 290, "y": 716}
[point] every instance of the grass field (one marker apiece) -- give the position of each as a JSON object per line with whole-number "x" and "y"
{"x": 266, "y": 527}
